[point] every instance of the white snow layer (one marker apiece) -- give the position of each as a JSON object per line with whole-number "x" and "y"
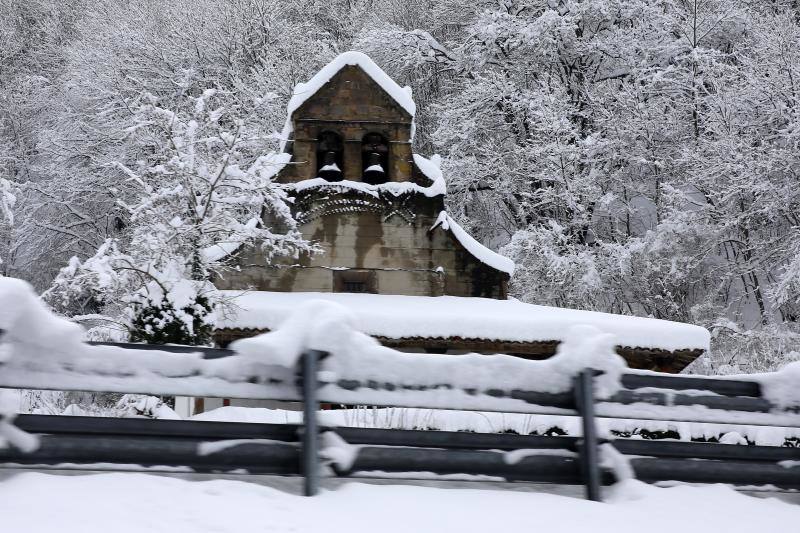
{"x": 135, "y": 502}
{"x": 430, "y": 168}
{"x": 27, "y": 327}
{"x": 304, "y": 91}
{"x": 313, "y": 325}
{"x": 51, "y": 356}
{"x": 360, "y": 357}
{"x": 479, "y": 251}
{"x": 397, "y": 317}
{"x": 395, "y": 188}
{"x": 782, "y": 388}
{"x": 220, "y": 250}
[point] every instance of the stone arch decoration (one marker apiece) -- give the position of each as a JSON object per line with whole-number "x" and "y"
{"x": 333, "y": 201}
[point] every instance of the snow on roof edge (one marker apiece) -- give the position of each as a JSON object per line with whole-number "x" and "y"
{"x": 431, "y": 170}
{"x": 398, "y": 316}
{"x": 304, "y": 91}
{"x": 479, "y": 251}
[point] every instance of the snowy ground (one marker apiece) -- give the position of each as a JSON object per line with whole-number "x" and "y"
{"x": 135, "y": 502}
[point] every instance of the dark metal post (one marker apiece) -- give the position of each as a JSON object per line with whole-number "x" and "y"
{"x": 310, "y": 466}
{"x": 588, "y": 447}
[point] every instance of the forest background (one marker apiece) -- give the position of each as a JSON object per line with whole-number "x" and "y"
{"x": 636, "y": 157}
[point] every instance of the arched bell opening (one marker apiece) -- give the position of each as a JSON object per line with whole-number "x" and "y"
{"x": 375, "y": 158}
{"x": 330, "y": 156}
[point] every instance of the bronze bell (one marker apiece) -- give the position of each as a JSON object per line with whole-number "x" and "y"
{"x": 329, "y": 170}
{"x": 374, "y": 173}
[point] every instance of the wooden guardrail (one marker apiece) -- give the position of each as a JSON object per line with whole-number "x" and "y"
{"x": 307, "y": 448}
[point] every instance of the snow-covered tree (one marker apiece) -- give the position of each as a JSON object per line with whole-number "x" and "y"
{"x": 7, "y": 202}
{"x": 201, "y": 189}
{"x": 635, "y": 157}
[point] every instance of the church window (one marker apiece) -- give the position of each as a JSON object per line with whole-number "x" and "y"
{"x": 330, "y": 161}
{"x": 354, "y": 286}
{"x": 375, "y": 158}
{"x": 354, "y": 281}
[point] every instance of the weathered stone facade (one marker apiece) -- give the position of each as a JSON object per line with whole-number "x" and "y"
{"x": 387, "y": 244}
{"x": 374, "y": 239}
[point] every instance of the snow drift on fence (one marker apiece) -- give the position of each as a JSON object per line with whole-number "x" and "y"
{"x": 42, "y": 351}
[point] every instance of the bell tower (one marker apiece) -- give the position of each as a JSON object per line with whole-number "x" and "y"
{"x": 351, "y": 128}
{"x": 374, "y": 209}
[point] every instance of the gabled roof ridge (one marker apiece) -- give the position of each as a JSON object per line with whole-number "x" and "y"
{"x": 303, "y": 91}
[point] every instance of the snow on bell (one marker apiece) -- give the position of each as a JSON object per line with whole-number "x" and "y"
{"x": 330, "y": 171}
{"x": 374, "y": 174}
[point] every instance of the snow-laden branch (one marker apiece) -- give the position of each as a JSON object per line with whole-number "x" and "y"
{"x": 199, "y": 196}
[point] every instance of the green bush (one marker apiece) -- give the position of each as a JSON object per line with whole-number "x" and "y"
{"x": 160, "y": 323}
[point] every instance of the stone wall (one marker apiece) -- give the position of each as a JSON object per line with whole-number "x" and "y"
{"x": 386, "y": 243}
{"x": 351, "y": 105}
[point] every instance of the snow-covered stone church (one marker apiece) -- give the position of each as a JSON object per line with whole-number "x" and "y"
{"x": 375, "y": 208}
{"x": 415, "y": 279}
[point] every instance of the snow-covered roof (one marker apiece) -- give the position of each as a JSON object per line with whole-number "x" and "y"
{"x": 398, "y": 317}
{"x": 479, "y": 251}
{"x": 430, "y": 168}
{"x": 303, "y": 91}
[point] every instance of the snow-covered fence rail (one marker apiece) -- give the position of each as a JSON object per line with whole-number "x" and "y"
{"x": 279, "y": 449}
{"x": 320, "y": 356}
{"x": 212, "y": 372}
{"x": 275, "y": 449}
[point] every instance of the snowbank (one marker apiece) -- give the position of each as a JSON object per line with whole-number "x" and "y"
{"x": 479, "y": 251}
{"x": 134, "y": 502}
{"x": 398, "y": 317}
